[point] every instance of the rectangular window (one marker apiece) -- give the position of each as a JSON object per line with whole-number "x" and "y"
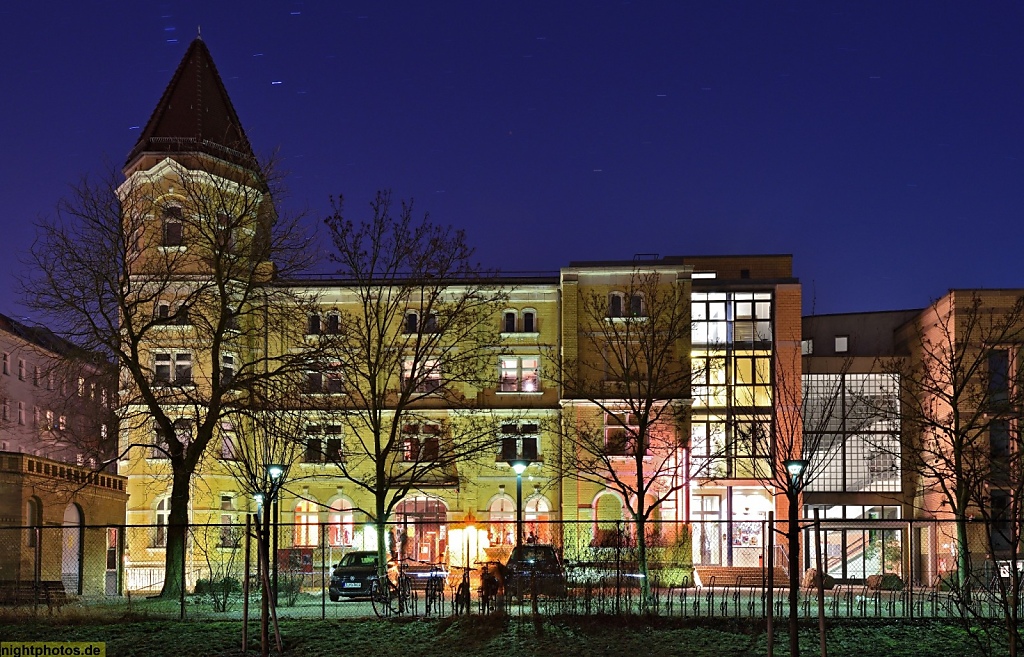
{"x": 227, "y": 369}
{"x": 6, "y": 415}
{"x": 21, "y": 369}
{"x": 621, "y": 431}
{"x": 421, "y": 443}
{"x": 411, "y": 324}
{"x": 172, "y": 368}
{"x": 313, "y": 325}
{"x": 21, "y": 412}
{"x": 842, "y": 344}
{"x": 332, "y": 443}
{"x": 172, "y": 226}
{"x": 519, "y": 374}
{"x": 35, "y": 375}
{"x": 314, "y": 445}
{"x": 228, "y": 442}
{"x": 998, "y": 376}
{"x": 423, "y": 379}
{"x": 333, "y": 324}
{"x": 520, "y": 441}
{"x": 7, "y": 363}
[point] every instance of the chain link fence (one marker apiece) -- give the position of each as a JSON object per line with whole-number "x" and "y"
{"x": 887, "y": 568}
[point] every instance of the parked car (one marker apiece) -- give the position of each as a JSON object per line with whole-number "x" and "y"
{"x": 534, "y": 565}
{"x": 352, "y": 575}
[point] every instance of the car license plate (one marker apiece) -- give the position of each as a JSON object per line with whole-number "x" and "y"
{"x": 353, "y": 585}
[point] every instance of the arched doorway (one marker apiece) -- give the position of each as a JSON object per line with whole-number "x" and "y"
{"x": 422, "y": 529}
{"x": 71, "y": 550}
{"x": 537, "y": 516}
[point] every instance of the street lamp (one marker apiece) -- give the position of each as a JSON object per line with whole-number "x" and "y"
{"x": 795, "y": 469}
{"x": 519, "y": 464}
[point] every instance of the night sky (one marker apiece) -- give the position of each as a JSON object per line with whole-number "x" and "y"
{"x": 882, "y": 144}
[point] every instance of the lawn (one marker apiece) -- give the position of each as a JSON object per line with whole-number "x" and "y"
{"x": 493, "y": 636}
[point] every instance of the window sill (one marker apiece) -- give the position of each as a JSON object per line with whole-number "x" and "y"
{"x": 626, "y": 318}
{"x": 181, "y": 248}
{"x": 530, "y": 393}
{"x": 519, "y": 334}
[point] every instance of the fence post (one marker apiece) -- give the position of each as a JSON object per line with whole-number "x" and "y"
{"x": 910, "y": 566}
{"x": 821, "y": 581}
{"x": 771, "y": 583}
{"x": 184, "y": 573}
{"x": 323, "y": 576}
{"x": 245, "y": 584}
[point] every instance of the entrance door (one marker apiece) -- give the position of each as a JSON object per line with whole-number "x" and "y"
{"x": 71, "y": 550}
{"x": 707, "y": 530}
{"x": 423, "y": 529}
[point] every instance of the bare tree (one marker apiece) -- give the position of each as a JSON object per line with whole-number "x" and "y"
{"x": 413, "y": 339}
{"x": 627, "y": 387}
{"x": 171, "y": 275}
{"x": 961, "y": 399}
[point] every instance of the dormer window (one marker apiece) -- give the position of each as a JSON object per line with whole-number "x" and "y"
{"x": 173, "y": 234}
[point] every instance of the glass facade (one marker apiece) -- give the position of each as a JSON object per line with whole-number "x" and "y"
{"x": 851, "y": 432}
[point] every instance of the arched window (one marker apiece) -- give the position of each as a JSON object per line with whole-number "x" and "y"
{"x": 340, "y": 524}
{"x": 33, "y": 519}
{"x": 508, "y": 322}
{"x": 163, "y": 512}
{"x": 313, "y": 325}
{"x": 412, "y": 322}
{"x": 537, "y": 517}
{"x": 502, "y": 529}
{"x": 333, "y": 323}
{"x": 307, "y": 524}
{"x": 609, "y": 528}
{"x": 615, "y": 304}
{"x": 529, "y": 320}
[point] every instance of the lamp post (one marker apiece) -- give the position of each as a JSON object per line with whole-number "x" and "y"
{"x": 275, "y": 476}
{"x": 795, "y": 469}
{"x": 519, "y": 465}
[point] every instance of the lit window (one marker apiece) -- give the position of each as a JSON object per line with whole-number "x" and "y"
{"x": 340, "y": 523}
{"x": 423, "y": 379}
{"x": 519, "y": 374}
{"x": 163, "y": 512}
{"x": 842, "y": 344}
{"x": 307, "y": 524}
{"x": 807, "y": 347}
{"x": 228, "y": 442}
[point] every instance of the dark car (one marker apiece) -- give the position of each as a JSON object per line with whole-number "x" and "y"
{"x": 532, "y": 566}
{"x": 352, "y": 575}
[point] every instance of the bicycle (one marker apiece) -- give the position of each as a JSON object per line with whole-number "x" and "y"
{"x": 390, "y": 598}
{"x": 433, "y": 595}
{"x": 463, "y": 592}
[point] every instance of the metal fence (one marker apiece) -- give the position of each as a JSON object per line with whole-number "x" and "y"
{"x": 891, "y": 568}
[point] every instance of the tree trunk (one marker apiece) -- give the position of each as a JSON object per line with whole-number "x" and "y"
{"x": 963, "y": 559}
{"x": 177, "y": 529}
{"x": 641, "y": 554}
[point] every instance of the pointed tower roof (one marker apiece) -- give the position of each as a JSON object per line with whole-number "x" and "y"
{"x": 195, "y": 115}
